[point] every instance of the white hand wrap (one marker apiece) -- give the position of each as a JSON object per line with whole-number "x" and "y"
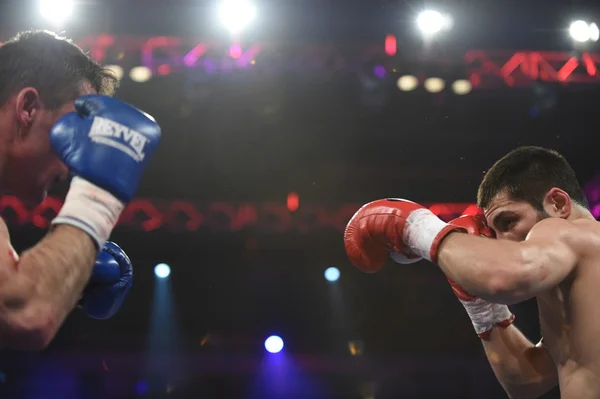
{"x": 421, "y": 230}
{"x": 91, "y": 209}
{"x": 485, "y": 315}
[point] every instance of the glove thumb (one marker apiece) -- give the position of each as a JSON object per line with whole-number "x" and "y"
{"x": 91, "y": 104}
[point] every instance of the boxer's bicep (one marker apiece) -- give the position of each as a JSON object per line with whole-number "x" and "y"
{"x": 13, "y": 291}
{"x": 10, "y": 284}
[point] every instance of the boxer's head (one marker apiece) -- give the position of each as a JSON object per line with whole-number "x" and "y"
{"x": 41, "y": 75}
{"x": 525, "y": 186}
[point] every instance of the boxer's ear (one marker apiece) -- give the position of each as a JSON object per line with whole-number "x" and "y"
{"x": 27, "y": 104}
{"x": 557, "y": 203}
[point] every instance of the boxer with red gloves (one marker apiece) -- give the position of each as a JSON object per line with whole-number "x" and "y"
{"x": 547, "y": 246}
{"x": 497, "y": 270}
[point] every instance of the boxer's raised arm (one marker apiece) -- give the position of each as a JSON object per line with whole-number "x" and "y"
{"x": 509, "y": 272}
{"x": 523, "y": 369}
{"x": 41, "y": 288}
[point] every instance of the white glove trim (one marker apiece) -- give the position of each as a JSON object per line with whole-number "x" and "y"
{"x": 91, "y": 209}
{"x": 420, "y": 231}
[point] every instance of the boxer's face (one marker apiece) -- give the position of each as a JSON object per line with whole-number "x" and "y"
{"x": 512, "y": 220}
{"x": 33, "y": 167}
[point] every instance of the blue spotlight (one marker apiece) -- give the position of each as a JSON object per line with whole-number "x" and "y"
{"x": 332, "y": 274}
{"x": 162, "y": 270}
{"x": 274, "y": 344}
{"x": 141, "y": 387}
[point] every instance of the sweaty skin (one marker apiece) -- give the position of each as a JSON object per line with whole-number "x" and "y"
{"x": 557, "y": 260}
{"x": 570, "y": 321}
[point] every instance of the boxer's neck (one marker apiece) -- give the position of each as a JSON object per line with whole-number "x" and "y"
{"x": 580, "y": 212}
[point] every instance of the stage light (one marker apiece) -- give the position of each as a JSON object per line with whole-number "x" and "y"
{"x": 293, "y": 202}
{"x": 140, "y": 74}
{"x": 235, "y": 51}
{"x": 379, "y": 71}
{"x": 431, "y": 22}
{"x": 141, "y": 387}
{"x": 56, "y": 11}
{"x": 407, "y": 83}
{"x": 332, "y": 274}
{"x": 116, "y": 70}
{"x": 594, "y": 32}
{"x": 356, "y": 347}
{"x": 582, "y": 32}
{"x": 274, "y": 344}
{"x": 434, "y": 85}
{"x": 390, "y": 45}
{"x": 236, "y": 14}
{"x": 162, "y": 270}
{"x": 462, "y": 87}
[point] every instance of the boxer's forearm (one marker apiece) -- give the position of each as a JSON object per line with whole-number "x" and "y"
{"x": 508, "y": 272}
{"x": 523, "y": 370}
{"x": 489, "y": 269}
{"x": 49, "y": 280}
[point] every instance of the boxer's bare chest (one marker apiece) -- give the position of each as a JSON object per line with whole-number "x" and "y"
{"x": 570, "y": 317}
{"x": 554, "y": 321}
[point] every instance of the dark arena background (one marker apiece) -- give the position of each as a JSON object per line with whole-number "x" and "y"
{"x": 276, "y": 129}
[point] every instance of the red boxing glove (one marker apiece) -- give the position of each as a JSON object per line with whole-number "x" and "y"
{"x": 484, "y": 315}
{"x": 393, "y": 225}
{"x": 474, "y": 225}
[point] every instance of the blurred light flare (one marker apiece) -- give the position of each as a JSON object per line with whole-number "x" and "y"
{"x": 164, "y": 69}
{"x": 162, "y": 270}
{"x": 293, "y": 202}
{"x": 594, "y": 32}
{"x": 332, "y": 274}
{"x": 581, "y": 31}
{"x": 235, "y": 51}
{"x": 462, "y": 87}
{"x": 236, "y": 15}
{"x": 140, "y": 74}
{"x": 407, "y": 83}
{"x": 434, "y": 85}
{"x": 56, "y": 11}
{"x": 379, "y": 71}
{"x": 390, "y": 45}
{"x": 274, "y": 344}
{"x": 431, "y": 22}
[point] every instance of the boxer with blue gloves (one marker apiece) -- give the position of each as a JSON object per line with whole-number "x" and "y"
{"x": 56, "y": 118}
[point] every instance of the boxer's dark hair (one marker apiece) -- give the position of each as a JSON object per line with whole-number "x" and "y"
{"x": 51, "y": 64}
{"x": 527, "y": 174}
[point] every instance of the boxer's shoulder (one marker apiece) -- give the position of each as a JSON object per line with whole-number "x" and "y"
{"x": 589, "y": 231}
{"x": 587, "y": 224}
{"x": 580, "y": 231}
{"x": 552, "y": 229}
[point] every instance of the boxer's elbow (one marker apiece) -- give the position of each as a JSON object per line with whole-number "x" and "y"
{"x": 32, "y": 329}
{"x": 27, "y": 324}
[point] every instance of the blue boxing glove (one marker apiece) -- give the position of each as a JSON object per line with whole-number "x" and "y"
{"x": 106, "y": 143}
{"x": 109, "y": 284}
